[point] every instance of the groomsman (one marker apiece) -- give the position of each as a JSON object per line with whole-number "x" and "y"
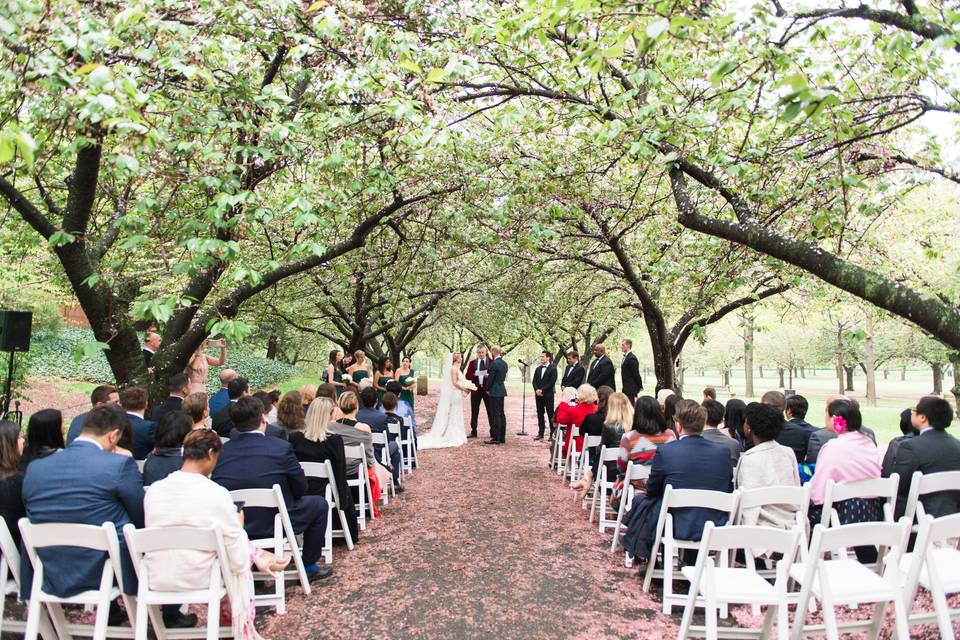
{"x": 544, "y": 387}
{"x": 497, "y": 392}
{"x": 630, "y": 372}
{"x": 478, "y": 372}
{"x": 573, "y": 374}
{"x": 602, "y": 372}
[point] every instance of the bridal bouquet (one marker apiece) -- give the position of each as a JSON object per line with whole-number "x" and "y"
{"x": 345, "y": 377}
{"x": 469, "y": 386}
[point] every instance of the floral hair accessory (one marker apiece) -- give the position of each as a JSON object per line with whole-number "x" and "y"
{"x": 839, "y": 424}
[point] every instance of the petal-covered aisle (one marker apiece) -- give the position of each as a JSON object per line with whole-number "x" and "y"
{"x": 484, "y": 543}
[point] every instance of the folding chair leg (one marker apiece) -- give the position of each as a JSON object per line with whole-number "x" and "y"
{"x": 667, "y": 578}
{"x": 140, "y": 624}
{"x": 830, "y": 620}
{"x": 213, "y": 616}
{"x": 100, "y": 622}
{"x": 783, "y": 622}
{"x": 688, "y": 611}
{"x": 651, "y": 563}
{"x": 800, "y": 617}
{"x": 33, "y": 619}
{"x": 710, "y": 618}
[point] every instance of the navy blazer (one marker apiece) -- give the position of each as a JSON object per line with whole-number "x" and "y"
{"x": 374, "y": 419}
{"x": 84, "y": 485}
{"x": 142, "y": 436}
{"x": 172, "y": 403}
{"x": 218, "y": 401}
{"x": 254, "y": 461}
{"x": 691, "y": 463}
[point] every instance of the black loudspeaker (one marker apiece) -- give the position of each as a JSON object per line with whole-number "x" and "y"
{"x": 15, "y": 329}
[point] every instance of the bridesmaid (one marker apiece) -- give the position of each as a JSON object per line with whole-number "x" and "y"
{"x": 384, "y": 375}
{"x": 360, "y": 370}
{"x": 406, "y": 376}
{"x": 332, "y": 374}
{"x": 199, "y": 365}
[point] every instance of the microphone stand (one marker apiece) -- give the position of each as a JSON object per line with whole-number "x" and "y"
{"x": 523, "y": 406}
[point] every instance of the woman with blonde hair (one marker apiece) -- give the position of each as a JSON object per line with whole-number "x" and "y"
{"x": 618, "y": 418}
{"x": 199, "y": 365}
{"x": 307, "y": 393}
{"x": 316, "y": 444}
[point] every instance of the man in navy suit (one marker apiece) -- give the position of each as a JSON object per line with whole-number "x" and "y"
{"x": 178, "y": 385}
{"x": 221, "y": 421}
{"x": 101, "y": 395}
{"x": 221, "y": 398}
{"x": 689, "y": 463}
{"x": 377, "y": 422}
{"x": 134, "y": 402}
{"x": 87, "y": 483}
{"x": 254, "y": 461}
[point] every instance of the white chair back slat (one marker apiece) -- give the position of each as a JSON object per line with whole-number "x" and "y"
{"x": 324, "y": 471}
{"x": 884, "y": 488}
{"x": 922, "y": 484}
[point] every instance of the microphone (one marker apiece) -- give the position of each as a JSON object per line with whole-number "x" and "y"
{"x": 522, "y": 362}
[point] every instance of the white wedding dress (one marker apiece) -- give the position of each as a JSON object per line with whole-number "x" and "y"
{"x": 448, "y": 428}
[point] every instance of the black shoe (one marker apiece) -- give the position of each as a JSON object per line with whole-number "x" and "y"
{"x": 491, "y": 441}
{"x": 322, "y": 573}
{"x": 181, "y": 621}
{"x": 539, "y": 438}
{"x": 473, "y": 434}
{"x": 117, "y": 615}
{"x": 399, "y": 489}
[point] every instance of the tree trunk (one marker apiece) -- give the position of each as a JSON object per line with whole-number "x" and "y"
{"x": 790, "y": 379}
{"x": 748, "y": 357}
{"x": 760, "y": 370}
{"x": 781, "y": 372}
{"x": 903, "y": 373}
{"x": 937, "y": 368}
{"x": 726, "y": 378}
{"x": 803, "y": 372}
{"x": 849, "y": 375}
{"x": 955, "y": 390}
{"x": 273, "y": 345}
{"x": 886, "y": 373}
{"x": 870, "y": 363}
{"x": 839, "y": 364}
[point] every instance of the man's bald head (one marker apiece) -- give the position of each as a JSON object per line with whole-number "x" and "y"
{"x": 227, "y": 376}
{"x": 152, "y": 340}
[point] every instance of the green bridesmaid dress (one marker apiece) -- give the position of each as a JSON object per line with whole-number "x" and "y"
{"x": 407, "y": 393}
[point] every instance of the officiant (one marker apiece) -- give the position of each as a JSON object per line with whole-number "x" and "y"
{"x": 477, "y": 373}
{"x": 544, "y": 387}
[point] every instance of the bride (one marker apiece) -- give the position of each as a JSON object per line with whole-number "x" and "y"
{"x": 448, "y": 428}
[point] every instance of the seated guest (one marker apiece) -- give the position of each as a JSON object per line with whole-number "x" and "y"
{"x": 390, "y": 401}
{"x": 221, "y": 398}
{"x": 712, "y": 431}
{"x": 849, "y": 456}
{"x": 592, "y": 424}
{"x": 272, "y": 430}
{"x": 44, "y": 436}
{"x": 196, "y": 406}
{"x": 670, "y": 411}
{"x": 821, "y": 436}
{"x": 766, "y": 464}
{"x": 166, "y": 458}
{"x": 690, "y": 463}
{"x": 709, "y": 393}
{"x": 352, "y": 431}
{"x": 640, "y": 443}
{"x": 908, "y": 431}
{"x": 404, "y": 409}
{"x": 734, "y": 415}
{"x": 797, "y": 431}
{"x": 574, "y": 415}
{"x": 933, "y": 451}
{"x": 101, "y": 395}
{"x": 134, "y": 402}
{"x": 307, "y": 393}
{"x": 188, "y": 498}
{"x": 618, "y": 417}
{"x": 290, "y": 413}
{"x": 377, "y": 422}
{"x": 253, "y": 461}
{"x": 326, "y": 390}
{"x": 11, "y": 476}
{"x": 178, "y": 387}
{"x": 221, "y": 421}
{"x": 274, "y": 404}
{"x": 87, "y": 483}
{"x": 316, "y": 444}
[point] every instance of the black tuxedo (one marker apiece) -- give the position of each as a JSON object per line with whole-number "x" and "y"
{"x": 545, "y": 381}
{"x": 630, "y": 377}
{"x": 573, "y": 375}
{"x": 602, "y": 373}
{"x": 147, "y": 357}
{"x": 932, "y": 451}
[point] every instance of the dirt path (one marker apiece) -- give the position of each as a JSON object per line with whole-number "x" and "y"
{"x": 485, "y": 543}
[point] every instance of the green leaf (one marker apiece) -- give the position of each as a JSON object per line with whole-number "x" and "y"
{"x": 87, "y": 68}
{"x": 410, "y": 66}
{"x": 720, "y": 70}
{"x": 60, "y": 238}
{"x": 437, "y": 75}
{"x": 88, "y": 349}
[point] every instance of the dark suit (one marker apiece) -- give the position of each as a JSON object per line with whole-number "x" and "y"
{"x": 83, "y": 485}
{"x": 573, "y": 376}
{"x": 147, "y": 357}
{"x": 497, "y": 389}
{"x": 932, "y": 451}
{"x": 254, "y": 461}
{"x": 221, "y": 422}
{"x": 480, "y": 395}
{"x": 795, "y": 435}
{"x": 218, "y": 401}
{"x": 545, "y": 380}
{"x": 76, "y": 426}
{"x": 630, "y": 377}
{"x": 378, "y": 424}
{"x": 173, "y": 403}
{"x": 689, "y": 463}
{"x": 602, "y": 373}
{"x": 272, "y": 431}
{"x": 142, "y": 436}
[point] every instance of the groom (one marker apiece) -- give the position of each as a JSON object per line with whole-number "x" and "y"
{"x": 497, "y": 391}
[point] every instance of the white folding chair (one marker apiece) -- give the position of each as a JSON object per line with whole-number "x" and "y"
{"x": 409, "y": 446}
{"x": 634, "y": 472}
{"x": 10, "y": 581}
{"x": 885, "y": 488}
{"x": 924, "y": 484}
{"x": 602, "y": 488}
{"x": 589, "y": 443}
{"x": 393, "y": 429}
{"x": 934, "y": 564}
{"x": 381, "y": 440}
{"x": 678, "y": 499}
{"x": 104, "y": 539}
{"x": 284, "y": 541}
{"x": 324, "y": 470}
{"x": 141, "y": 542}
{"x": 840, "y": 580}
{"x": 572, "y": 465}
{"x": 712, "y": 586}
{"x": 362, "y": 482}
{"x": 556, "y": 456}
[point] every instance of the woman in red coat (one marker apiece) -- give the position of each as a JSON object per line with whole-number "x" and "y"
{"x": 573, "y": 413}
